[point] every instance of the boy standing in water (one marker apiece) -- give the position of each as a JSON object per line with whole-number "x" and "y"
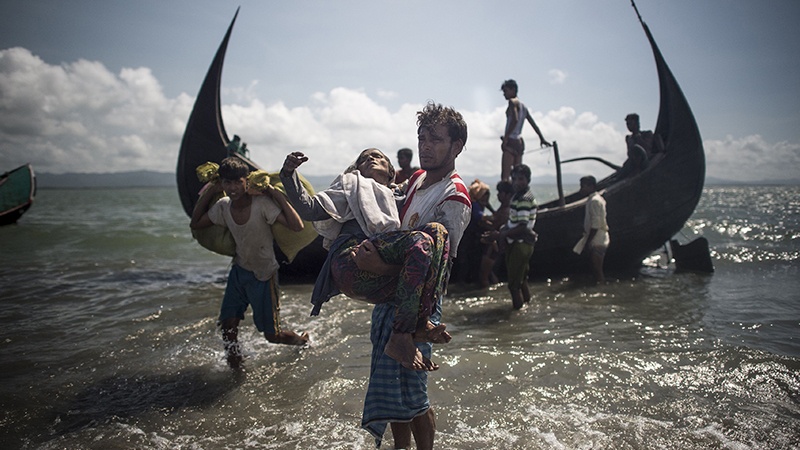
{"x": 253, "y": 277}
{"x": 519, "y": 235}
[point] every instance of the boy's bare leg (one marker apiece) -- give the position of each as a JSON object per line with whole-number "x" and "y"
{"x": 401, "y": 348}
{"x": 230, "y": 336}
{"x": 288, "y": 338}
{"x": 485, "y": 276}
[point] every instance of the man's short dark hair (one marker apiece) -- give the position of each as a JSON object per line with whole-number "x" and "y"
{"x": 407, "y": 152}
{"x": 435, "y": 114}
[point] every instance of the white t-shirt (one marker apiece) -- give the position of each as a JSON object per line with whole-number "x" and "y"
{"x": 446, "y": 202}
{"x": 254, "y": 250}
{"x": 596, "y": 218}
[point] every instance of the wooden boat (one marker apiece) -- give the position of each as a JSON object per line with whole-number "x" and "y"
{"x": 17, "y": 190}
{"x": 205, "y": 140}
{"x": 644, "y": 211}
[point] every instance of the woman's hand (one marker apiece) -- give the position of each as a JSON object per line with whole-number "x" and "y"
{"x": 292, "y": 162}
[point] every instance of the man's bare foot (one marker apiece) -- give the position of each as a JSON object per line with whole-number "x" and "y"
{"x": 288, "y": 338}
{"x": 401, "y": 348}
{"x": 432, "y": 333}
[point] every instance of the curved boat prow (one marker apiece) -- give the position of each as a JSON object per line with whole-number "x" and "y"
{"x": 205, "y": 138}
{"x": 644, "y": 210}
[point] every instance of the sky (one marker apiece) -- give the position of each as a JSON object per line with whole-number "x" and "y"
{"x": 107, "y": 86}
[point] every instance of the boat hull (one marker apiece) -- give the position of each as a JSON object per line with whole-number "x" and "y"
{"x": 17, "y": 191}
{"x": 644, "y": 211}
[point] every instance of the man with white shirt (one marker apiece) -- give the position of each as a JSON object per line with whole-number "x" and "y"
{"x": 436, "y": 193}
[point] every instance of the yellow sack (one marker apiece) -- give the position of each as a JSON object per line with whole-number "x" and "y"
{"x": 291, "y": 242}
{"x": 219, "y": 239}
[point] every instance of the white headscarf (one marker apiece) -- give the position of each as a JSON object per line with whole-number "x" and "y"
{"x": 353, "y": 196}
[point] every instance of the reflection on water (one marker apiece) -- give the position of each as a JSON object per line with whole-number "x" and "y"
{"x": 111, "y": 343}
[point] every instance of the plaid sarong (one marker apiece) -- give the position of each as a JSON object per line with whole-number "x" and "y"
{"x": 394, "y": 394}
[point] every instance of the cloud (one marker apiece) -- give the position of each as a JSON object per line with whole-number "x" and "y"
{"x": 751, "y": 158}
{"x": 80, "y": 117}
{"x": 385, "y": 94}
{"x": 557, "y": 76}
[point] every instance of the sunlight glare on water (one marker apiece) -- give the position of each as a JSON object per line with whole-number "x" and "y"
{"x": 109, "y": 340}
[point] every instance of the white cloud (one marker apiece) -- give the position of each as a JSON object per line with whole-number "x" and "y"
{"x": 80, "y": 117}
{"x": 385, "y": 94}
{"x": 557, "y": 76}
{"x": 751, "y": 158}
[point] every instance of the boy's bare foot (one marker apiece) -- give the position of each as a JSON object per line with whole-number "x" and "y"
{"x": 288, "y": 338}
{"x": 401, "y": 348}
{"x": 432, "y": 333}
{"x": 233, "y": 354}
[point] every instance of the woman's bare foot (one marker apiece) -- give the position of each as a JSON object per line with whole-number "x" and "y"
{"x": 288, "y": 338}
{"x": 401, "y": 348}
{"x": 432, "y": 333}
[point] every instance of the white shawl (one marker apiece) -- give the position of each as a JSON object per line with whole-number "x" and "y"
{"x": 352, "y": 196}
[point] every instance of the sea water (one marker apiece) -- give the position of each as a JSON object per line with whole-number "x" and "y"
{"x": 108, "y": 341}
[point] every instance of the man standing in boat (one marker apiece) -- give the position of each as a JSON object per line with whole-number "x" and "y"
{"x": 516, "y": 114}
{"x": 396, "y": 395}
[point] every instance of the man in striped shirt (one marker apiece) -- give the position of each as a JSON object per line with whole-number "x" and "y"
{"x": 518, "y": 235}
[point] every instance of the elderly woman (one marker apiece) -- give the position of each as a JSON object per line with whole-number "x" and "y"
{"x": 360, "y": 205}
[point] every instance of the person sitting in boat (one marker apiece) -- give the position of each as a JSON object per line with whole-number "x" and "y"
{"x": 252, "y": 279}
{"x": 641, "y": 145}
{"x": 648, "y": 141}
{"x": 358, "y": 207}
